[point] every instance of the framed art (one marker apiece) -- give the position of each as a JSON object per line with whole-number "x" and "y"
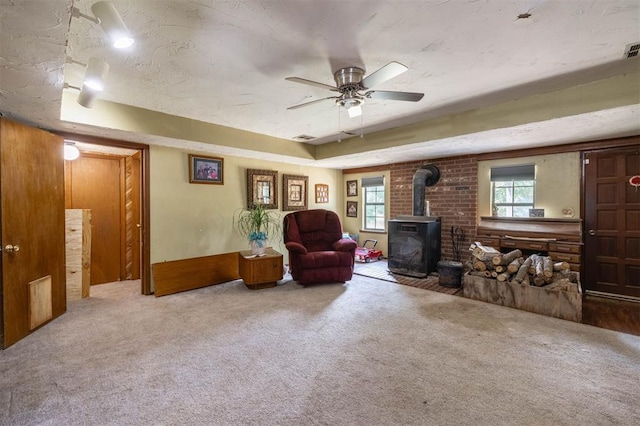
{"x": 352, "y": 188}
{"x": 205, "y": 169}
{"x": 262, "y": 188}
{"x": 352, "y": 209}
{"x": 322, "y": 193}
{"x": 294, "y": 189}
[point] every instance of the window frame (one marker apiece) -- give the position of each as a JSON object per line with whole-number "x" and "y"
{"x": 383, "y": 204}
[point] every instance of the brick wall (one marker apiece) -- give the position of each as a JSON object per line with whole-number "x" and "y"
{"x": 453, "y": 198}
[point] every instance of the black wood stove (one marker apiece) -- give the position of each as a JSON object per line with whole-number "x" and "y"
{"x": 415, "y": 241}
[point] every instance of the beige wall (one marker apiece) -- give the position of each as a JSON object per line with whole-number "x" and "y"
{"x": 354, "y": 225}
{"x": 192, "y": 220}
{"x": 557, "y": 183}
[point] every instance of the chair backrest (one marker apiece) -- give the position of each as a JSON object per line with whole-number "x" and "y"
{"x": 315, "y": 229}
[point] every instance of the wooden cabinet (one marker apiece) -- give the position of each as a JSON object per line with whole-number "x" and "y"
{"x": 559, "y": 238}
{"x": 260, "y": 272}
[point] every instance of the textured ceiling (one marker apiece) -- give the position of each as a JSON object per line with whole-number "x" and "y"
{"x": 225, "y": 63}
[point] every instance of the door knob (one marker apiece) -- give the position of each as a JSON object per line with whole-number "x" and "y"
{"x": 11, "y": 249}
{"x": 592, "y": 232}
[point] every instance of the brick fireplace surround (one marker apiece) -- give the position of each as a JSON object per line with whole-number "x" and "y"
{"x": 453, "y": 198}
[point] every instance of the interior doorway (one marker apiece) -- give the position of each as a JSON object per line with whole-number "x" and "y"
{"x": 110, "y": 178}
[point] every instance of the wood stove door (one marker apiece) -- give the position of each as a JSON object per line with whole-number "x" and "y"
{"x": 612, "y": 221}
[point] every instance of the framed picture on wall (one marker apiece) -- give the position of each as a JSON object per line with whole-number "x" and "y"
{"x": 294, "y": 189}
{"x": 352, "y": 188}
{"x": 262, "y": 188}
{"x": 352, "y": 209}
{"x": 322, "y": 193}
{"x": 206, "y": 169}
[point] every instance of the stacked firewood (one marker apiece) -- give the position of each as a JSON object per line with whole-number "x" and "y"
{"x": 512, "y": 267}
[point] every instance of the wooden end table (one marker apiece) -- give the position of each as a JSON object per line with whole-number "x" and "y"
{"x": 260, "y": 272}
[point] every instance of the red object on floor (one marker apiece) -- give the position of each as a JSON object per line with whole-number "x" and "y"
{"x": 368, "y": 253}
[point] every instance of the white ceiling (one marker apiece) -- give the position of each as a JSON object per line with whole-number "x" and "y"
{"x": 225, "y": 63}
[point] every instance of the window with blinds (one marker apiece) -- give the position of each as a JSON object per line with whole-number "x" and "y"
{"x": 374, "y": 206}
{"x": 513, "y": 190}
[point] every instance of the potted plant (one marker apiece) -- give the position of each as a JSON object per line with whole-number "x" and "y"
{"x": 257, "y": 224}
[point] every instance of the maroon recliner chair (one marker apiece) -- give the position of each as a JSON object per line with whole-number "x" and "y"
{"x": 317, "y": 251}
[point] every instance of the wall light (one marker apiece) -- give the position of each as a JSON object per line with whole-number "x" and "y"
{"x": 71, "y": 152}
{"x": 112, "y": 24}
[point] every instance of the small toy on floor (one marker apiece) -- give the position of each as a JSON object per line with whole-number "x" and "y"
{"x": 367, "y": 253}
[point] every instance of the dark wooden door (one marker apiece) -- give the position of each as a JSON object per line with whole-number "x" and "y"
{"x": 94, "y": 183}
{"x": 612, "y": 221}
{"x": 33, "y": 283}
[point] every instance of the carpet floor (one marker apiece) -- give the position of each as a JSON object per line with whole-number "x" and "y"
{"x": 367, "y": 352}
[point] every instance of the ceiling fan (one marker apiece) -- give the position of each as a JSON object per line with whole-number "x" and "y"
{"x": 351, "y": 83}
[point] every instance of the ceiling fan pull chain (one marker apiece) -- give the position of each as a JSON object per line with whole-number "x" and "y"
{"x": 339, "y": 126}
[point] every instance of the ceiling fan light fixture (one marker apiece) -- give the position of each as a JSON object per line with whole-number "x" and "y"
{"x": 354, "y": 111}
{"x": 112, "y": 24}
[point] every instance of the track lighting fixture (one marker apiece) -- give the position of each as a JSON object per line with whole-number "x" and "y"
{"x": 71, "y": 152}
{"x": 94, "y": 77}
{"x": 109, "y": 19}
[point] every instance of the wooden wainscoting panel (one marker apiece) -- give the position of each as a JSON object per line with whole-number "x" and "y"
{"x": 188, "y": 274}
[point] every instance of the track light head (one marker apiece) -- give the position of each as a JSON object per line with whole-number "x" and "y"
{"x": 112, "y": 24}
{"x": 87, "y": 96}
{"x": 96, "y": 74}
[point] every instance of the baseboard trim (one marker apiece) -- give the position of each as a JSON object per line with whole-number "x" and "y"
{"x": 612, "y": 296}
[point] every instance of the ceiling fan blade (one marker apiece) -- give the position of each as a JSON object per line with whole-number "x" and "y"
{"x": 311, "y": 83}
{"x": 392, "y": 69}
{"x": 312, "y": 102}
{"x": 395, "y": 96}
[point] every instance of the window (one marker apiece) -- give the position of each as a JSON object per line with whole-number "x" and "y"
{"x": 374, "y": 208}
{"x": 513, "y": 190}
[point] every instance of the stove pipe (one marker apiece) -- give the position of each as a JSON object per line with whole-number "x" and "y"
{"x": 426, "y": 175}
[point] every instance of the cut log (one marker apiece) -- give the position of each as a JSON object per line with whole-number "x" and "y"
{"x": 484, "y": 253}
{"x": 499, "y": 268}
{"x": 547, "y": 266}
{"x": 565, "y": 274}
{"x": 505, "y": 259}
{"x": 561, "y": 266}
{"x": 514, "y": 266}
{"x": 477, "y": 274}
{"x": 538, "y": 264}
{"x": 479, "y": 266}
{"x": 532, "y": 266}
{"x": 494, "y": 274}
{"x": 539, "y": 281}
{"x": 503, "y": 277}
{"x": 523, "y": 271}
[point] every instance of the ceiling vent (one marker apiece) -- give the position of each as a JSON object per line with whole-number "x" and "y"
{"x": 631, "y": 50}
{"x": 304, "y": 137}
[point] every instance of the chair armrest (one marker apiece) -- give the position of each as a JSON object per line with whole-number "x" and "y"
{"x": 345, "y": 244}
{"x": 294, "y": 247}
